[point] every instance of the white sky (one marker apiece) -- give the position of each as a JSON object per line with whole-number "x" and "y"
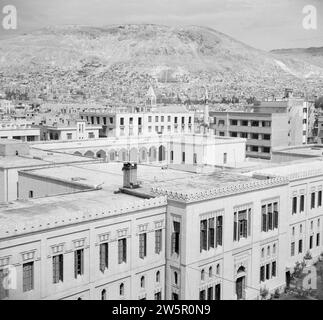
{"x": 264, "y": 24}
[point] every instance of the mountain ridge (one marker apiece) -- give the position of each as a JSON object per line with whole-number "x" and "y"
{"x": 177, "y": 61}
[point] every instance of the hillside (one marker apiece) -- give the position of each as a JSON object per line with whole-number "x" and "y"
{"x": 76, "y": 62}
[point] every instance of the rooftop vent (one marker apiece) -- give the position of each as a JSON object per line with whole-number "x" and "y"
{"x": 130, "y": 175}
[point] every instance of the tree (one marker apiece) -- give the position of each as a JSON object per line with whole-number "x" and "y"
{"x": 319, "y": 103}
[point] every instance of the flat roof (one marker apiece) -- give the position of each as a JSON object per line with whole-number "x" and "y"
{"x": 158, "y": 182}
{"x": 39, "y": 157}
{"x": 315, "y": 150}
{"x": 293, "y": 170}
{"x": 171, "y": 179}
{"x": 113, "y": 142}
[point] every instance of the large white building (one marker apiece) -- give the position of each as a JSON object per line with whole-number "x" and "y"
{"x": 158, "y": 231}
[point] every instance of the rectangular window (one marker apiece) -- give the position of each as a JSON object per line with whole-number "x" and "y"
{"x": 273, "y": 269}
{"x": 319, "y": 199}
{"x": 241, "y": 225}
{"x": 203, "y": 235}
{"x": 311, "y": 242}
{"x": 292, "y": 249}
{"x": 255, "y": 123}
{"x": 172, "y": 156}
{"x": 235, "y": 227}
{"x": 302, "y": 203}
{"x": 194, "y": 158}
{"x": 317, "y": 239}
{"x": 219, "y": 226}
{"x": 78, "y": 262}
{"x": 176, "y": 237}
{"x": 121, "y": 121}
{"x": 264, "y": 218}
{"x": 312, "y": 200}
{"x": 210, "y": 293}
{"x": 275, "y": 215}
{"x": 294, "y": 209}
{"x": 225, "y": 158}
{"x": 142, "y": 245}
{"x": 104, "y": 256}
{"x": 58, "y": 268}
{"x": 211, "y": 234}
{"x": 183, "y": 157}
{"x": 202, "y": 295}
{"x": 122, "y": 250}
{"x": 158, "y": 241}
{"x": 28, "y": 276}
{"x": 267, "y": 271}
{"x": 262, "y": 273}
{"x": 270, "y": 217}
{"x": 217, "y": 292}
{"x": 266, "y": 137}
{"x": 300, "y": 246}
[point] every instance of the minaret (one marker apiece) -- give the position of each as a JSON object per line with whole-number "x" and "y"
{"x": 206, "y": 112}
{"x": 151, "y": 97}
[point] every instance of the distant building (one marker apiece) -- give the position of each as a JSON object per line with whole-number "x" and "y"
{"x": 78, "y": 130}
{"x": 145, "y": 121}
{"x": 19, "y": 130}
{"x": 16, "y": 155}
{"x": 269, "y": 125}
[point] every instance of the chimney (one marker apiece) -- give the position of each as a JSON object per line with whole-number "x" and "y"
{"x": 130, "y": 175}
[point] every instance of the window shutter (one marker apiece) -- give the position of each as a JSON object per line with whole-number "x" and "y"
{"x": 61, "y": 267}
{"x": 173, "y": 242}
{"x": 75, "y": 264}
{"x": 102, "y": 257}
{"x": 235, "y": 227}
{"x": 249, "y": 222}
{"x": 125, "y": 251}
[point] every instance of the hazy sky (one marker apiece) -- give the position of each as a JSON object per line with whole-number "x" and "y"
{"x": 264, "y": 24}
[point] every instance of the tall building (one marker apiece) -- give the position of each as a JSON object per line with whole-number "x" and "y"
{"x": 270, "y": 125}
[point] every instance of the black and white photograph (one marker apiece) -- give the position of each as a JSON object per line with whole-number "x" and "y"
{"x": 161, "y": 150}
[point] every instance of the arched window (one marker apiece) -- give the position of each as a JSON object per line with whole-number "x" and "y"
{"x": 210, "y": 272}
{"x": 262, "y": 252}
{"x": 274, "y": 248}
{"x": 218, "y": 269}
{"x": 142, "y": 282}
{"x": 268, "y": 251}
{"x": 175, "y": 278}
{"x": 103, "y": 294}
{"x": 301, "y": 228}
{"x": 157, "y": 276}
{"x": 202, "y": 275}
{"x": 121, "y": 289}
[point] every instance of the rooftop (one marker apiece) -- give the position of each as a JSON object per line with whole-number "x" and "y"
{"x": 311, "y": 150}
{"x": 38, "y": 157}
{"x": 293, "y": 171}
